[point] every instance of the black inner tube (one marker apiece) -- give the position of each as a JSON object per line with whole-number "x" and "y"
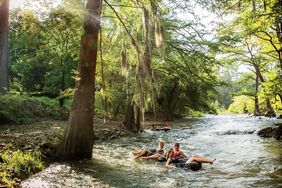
{"x": 161, "y": 129}
{"x": 161, "y": 159}
{"x": 195, "y": 166}
{"x": 181, "y": 163}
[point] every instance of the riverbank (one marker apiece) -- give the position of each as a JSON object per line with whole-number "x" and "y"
{"x": 38, "y": 141}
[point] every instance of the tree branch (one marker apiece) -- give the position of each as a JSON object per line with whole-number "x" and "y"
{"x": 270, "y": 40}
{"x": 123, "y": 24}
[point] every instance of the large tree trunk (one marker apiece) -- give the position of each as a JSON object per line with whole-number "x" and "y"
{"x": 257, "y": 110}
{"x": 133, "y": 118}
{"x": 4, "y": 29}
{"x": 170, "y": 97}
{"x": 78, "y": 138}
{"x": 269, "y": 109}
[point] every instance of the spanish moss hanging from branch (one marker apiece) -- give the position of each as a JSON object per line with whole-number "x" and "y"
{"x": 159, "y": 33}
{"x": 124, "y": 66}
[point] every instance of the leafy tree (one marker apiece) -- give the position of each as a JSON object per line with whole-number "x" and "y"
{"x": 55, "y": 47}
{"x": 26, "y": 73}
{"x": 61, "y": 33}
{"x": 259, "y": 25}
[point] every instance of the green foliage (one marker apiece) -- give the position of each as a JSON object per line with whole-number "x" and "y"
{"x": 44, "y": 52}
{"x": 18, "y": 165}
{"x": 242, "y": 104}
{"x": 183, "y": 75}
{"x": 194, "y": 113}
{"x": 18, "y": 109}
{"x": 252, "y": 38}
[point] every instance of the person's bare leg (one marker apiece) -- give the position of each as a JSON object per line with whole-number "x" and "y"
{"x": 137, "y": 152}
{"x": 203, "y": 158}
{"x": 141, "y": 153}
{"x": 155, "y": 156}
{"x": 200, "y": 160}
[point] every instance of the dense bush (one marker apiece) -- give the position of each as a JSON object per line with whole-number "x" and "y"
{"x": 17, "y": 164}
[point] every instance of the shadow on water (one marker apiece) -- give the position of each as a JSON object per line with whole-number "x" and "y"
{"x": 101, "y": 170}
{"x": 117, "y": 175}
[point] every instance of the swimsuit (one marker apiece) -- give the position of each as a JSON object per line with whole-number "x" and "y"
{"x": 176, "y": 154}
{"x": 177, "y": 158}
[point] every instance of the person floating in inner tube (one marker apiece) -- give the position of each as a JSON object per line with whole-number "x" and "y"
{"x": 177, "y": 156}
{"x": 165, "y": 128}
{"x": 153, "y": 127}
{"x": 151, "y": 153}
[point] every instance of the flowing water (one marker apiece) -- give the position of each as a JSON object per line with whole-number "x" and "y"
{"x": 243, "y": 158}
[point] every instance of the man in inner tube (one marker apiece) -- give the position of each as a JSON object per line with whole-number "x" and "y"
{"x": 151, "y": 153}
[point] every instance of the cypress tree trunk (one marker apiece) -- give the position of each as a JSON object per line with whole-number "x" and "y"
{"x": 133, "y": 118}
{"x": 4, "y": 29}
{"x": 78, "y": 138}
{"x": 170, "y": 105}
{"x": 269, "y": 110}
{"x": 257, "y": 110}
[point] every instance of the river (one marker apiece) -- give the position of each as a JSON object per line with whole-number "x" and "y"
{"x": 243, "y": 158}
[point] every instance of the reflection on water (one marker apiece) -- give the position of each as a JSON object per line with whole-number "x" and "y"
{"x": 243, "y": 158}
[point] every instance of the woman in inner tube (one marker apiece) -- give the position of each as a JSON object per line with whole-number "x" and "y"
{"x": 177, "y": 156}
{"x": 152, "y": 153}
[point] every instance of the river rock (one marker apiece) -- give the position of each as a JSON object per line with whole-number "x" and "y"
{"x": 270, "y": 114}
{"x": 278, "y": 133}
{"x": 268, "y": 132}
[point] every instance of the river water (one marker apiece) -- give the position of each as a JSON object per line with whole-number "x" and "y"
{"x": 243, "y": 158}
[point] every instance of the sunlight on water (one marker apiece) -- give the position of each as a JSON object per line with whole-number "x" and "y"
{"x": 243, "y": 158}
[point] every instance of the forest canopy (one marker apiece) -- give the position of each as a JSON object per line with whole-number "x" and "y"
{"x": 160, "y": 55}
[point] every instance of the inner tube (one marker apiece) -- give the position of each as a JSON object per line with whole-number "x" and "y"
{"x": 161, "y": 129}
{"x": 162, "y": 159}
{"x": 181, "y": 163}
{"x": 178, "y": 160}
{"x": 194, "y": 166}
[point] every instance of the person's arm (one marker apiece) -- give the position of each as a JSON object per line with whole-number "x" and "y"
{"x": 183, "y": 155}
{"x": 168, "y": 165}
